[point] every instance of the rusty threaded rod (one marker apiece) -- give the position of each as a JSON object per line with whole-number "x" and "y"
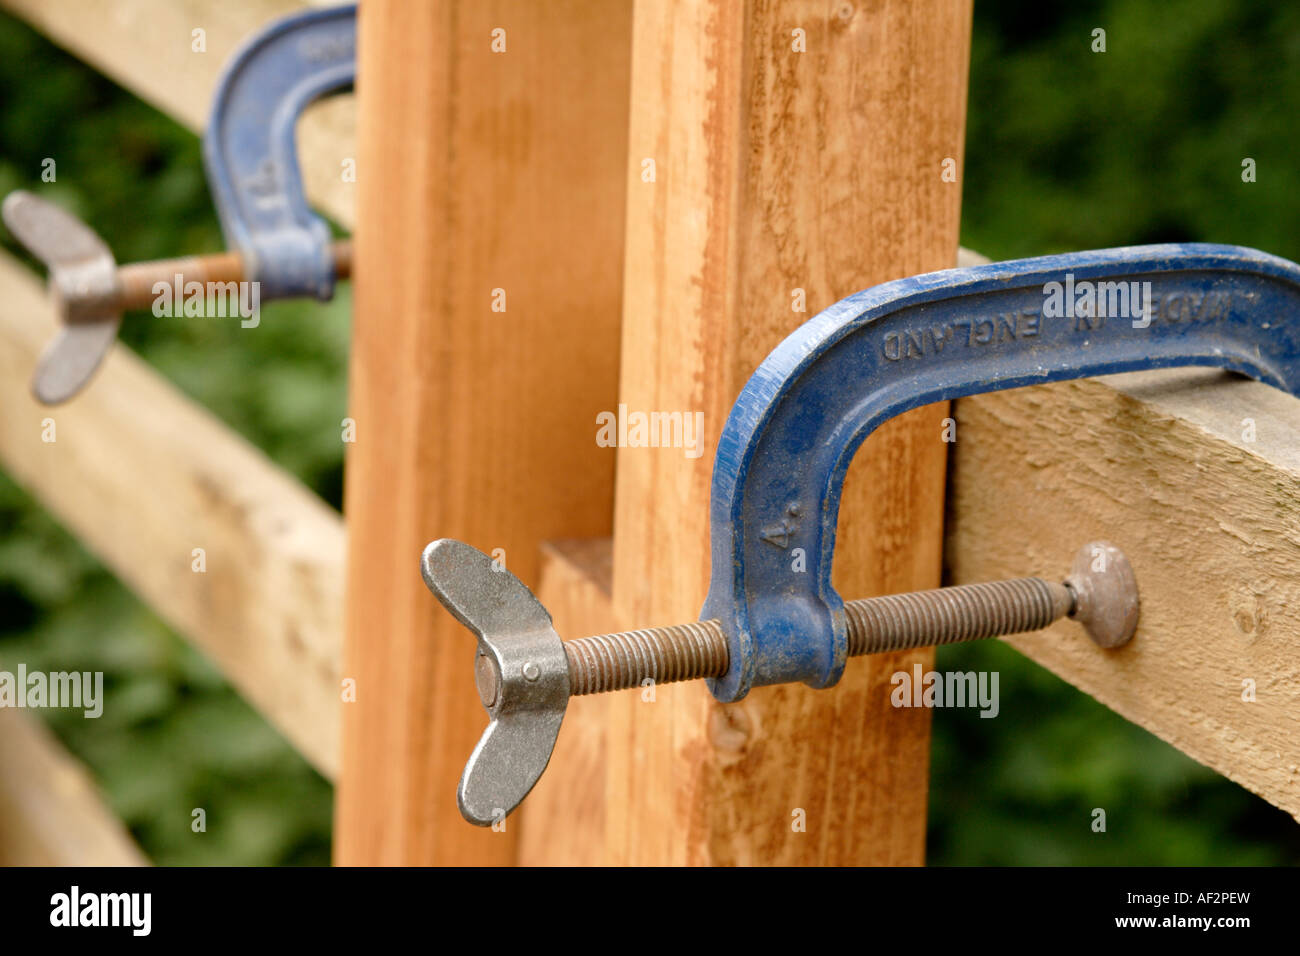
{"x": 136, "y": 280}
{"x": 966, "y": 612}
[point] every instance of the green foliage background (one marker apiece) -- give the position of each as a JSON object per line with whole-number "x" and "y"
{"x": 1066, "y": 149}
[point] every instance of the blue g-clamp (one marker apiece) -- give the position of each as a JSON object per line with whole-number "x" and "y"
{"x": 790, "y": 436}
{"x": 252, "y": 166}
{"x": 249, "y": 149}
{"x": 781, "y": 461}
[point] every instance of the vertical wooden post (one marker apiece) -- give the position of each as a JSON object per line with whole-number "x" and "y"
{"x": 489, "y": 248}
{"x": 777, "y": 174}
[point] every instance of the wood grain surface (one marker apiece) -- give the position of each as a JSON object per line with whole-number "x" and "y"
{"x": 776, "y": 171}
{"x": 485, "y": 178}
{"x": 1195, "y": 475}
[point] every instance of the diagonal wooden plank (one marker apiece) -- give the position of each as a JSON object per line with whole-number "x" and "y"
{"x": 51, "y": 813}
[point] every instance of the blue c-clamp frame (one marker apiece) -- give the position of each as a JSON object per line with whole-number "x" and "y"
{"x": 249, "y": 151}
{"x": 790, "y": 436}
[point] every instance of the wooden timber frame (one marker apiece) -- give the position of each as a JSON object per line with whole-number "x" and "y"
{"x": 774, "y": 172}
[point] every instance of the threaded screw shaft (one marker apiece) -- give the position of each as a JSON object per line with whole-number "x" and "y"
{"x": 967, "y": 612}
{"x": 662, "y": 654}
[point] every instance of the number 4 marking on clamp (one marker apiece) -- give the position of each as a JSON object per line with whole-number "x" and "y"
{"x": 779, "y": 534}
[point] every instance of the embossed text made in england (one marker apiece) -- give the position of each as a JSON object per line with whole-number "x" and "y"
{"x": 1170, "y": 308}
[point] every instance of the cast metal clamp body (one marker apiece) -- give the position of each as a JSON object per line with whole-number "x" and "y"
{"x": 249, "y": 151}
{"x": 787, "y": 443}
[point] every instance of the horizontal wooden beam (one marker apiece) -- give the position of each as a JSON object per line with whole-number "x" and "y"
{"x": 51, "y": 814}
{"x": 148, "y": 46}
{"x": 1196, "y": 475}
{"x": 144, "y": 477}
